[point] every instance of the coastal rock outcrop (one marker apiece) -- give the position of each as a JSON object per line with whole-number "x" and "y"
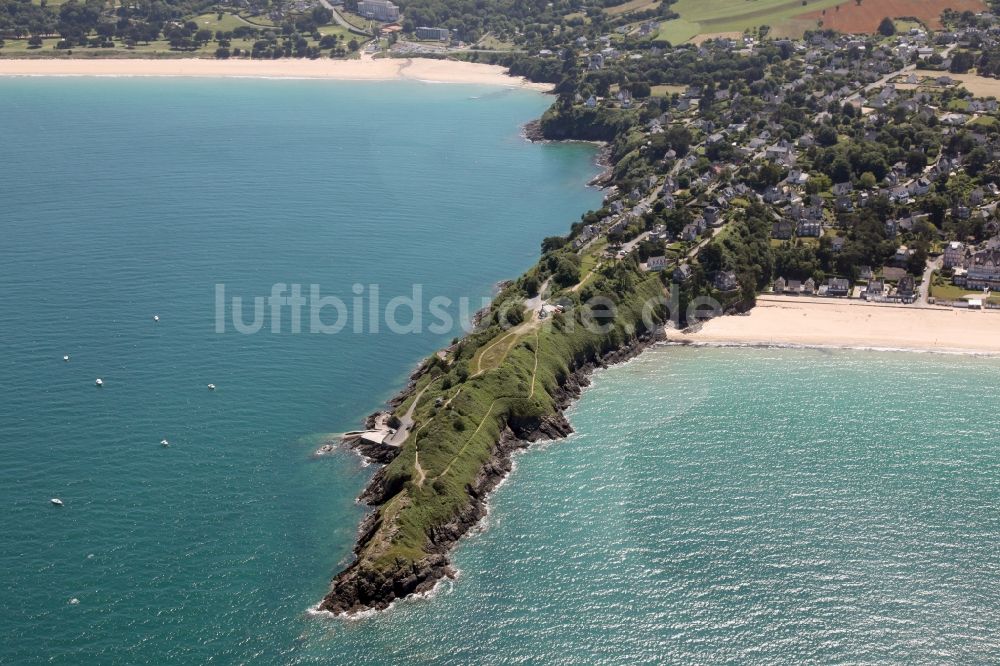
{"x": 363, "y": 586}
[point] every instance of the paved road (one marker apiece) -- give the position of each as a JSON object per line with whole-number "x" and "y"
{"x": 406, "y": 423}
{"x": 342, "y": 22}
{"x": 925, "y": 286}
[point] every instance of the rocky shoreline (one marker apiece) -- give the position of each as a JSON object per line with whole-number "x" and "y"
{"x": 532, "y": 131}
{"x": 357, "y": 589}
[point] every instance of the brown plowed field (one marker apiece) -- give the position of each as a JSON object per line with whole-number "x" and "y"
{"x": 849, "y": 17}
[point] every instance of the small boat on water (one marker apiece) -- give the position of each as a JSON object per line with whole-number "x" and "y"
{"x": 99, "y": 382}
{"x": 56, "y": 501}
{"x": 164, "y": 443}
{"x": 211, "y": 387}
{"x": 156, "y": 317}
{"x": 66, "y": 357}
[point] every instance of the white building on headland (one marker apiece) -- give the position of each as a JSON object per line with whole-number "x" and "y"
{"x": 380, "y": 10}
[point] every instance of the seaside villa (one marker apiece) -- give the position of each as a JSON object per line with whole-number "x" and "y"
{"x": 984, "y": 270}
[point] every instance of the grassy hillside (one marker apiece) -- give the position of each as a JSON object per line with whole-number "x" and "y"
{"x": 464, "y": 405}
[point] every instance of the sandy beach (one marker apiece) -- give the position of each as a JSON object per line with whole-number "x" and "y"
{"x": 816, "y": 322}
{"x": 382, "y": 69}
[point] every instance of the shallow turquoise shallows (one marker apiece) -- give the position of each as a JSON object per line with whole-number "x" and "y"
{"x": 714, "y": 505}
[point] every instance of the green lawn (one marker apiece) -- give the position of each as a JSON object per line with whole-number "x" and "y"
{"x": 985, "y": 121}
{"x": 712, "y": 16}
{"x": 665, "y": 90}
{"x": 905, "y": 25}
{"x": 157, "y": 49}
{"x": 492, "y": 43}
{"x": 949, "y": 292}
{"x": 355, "y": 20}
{"x": 226, "y": 23}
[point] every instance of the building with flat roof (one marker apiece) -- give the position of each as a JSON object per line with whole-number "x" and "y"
{"x": 440, "y": 34}
{"x": 380, "y": 10}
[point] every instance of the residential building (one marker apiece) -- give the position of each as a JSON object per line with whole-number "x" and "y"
{"x": 810, "y": 229}
{"x": 954, "y": 254}
{"x": 906, "y": 289}
{"x": 726, "y": 281}
{"x": 875, "y": 289}
{"x": 440, "y": 34}
{"x": 984, "y": 270}
{"x": 656, "y": 263}
{"x": 782, "y": 230}
{"x": 838, "y": 287}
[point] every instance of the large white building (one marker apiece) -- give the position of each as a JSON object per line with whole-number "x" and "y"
{"x": 380, "y": 10}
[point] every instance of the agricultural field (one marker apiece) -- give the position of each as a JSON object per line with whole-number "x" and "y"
{"x": 848, "y": 16}
{"x": 706, "y": 17}
{"x": 632, "y": 6}
{"x": 980, "y": 86}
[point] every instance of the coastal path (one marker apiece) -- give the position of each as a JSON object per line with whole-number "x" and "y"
{"x": 469, "y": 440}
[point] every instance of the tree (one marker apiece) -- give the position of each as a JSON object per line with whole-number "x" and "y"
{"x": 353, "y": 44}
{"x": 710, "y": 257}
{"x": 961, "y": 62}
{"x": 531, "y": 286}
{"x": 552, "y": 243}
{"x": 826, "y": 135}
{"x": 915, "y": 162}
{"x": 868, "y": 180}
{"x": 977, "y": 161}
{"x": 640, "y": 89}
{"x": 917, "y": 260}
{"x": 887, "y": 28}
{"x": 567, "y": 272}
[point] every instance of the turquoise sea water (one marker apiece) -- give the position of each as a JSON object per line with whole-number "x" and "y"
{"x": 715, "y": 505}
{"x": 124, "y": 198}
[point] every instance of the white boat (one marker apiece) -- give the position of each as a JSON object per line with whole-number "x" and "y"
{"x": 211, "y": 387}
{"x": 164, "y": 443}
{"x": 99, "y": 382}
{"x": 66, "y": 357}
{"x": 56, "y": 501}
{"x": 156, "y": 317}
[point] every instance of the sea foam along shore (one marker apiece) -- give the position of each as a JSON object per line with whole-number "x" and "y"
{"x": 837, "y": 323}
{"x": 382, "y": 69}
